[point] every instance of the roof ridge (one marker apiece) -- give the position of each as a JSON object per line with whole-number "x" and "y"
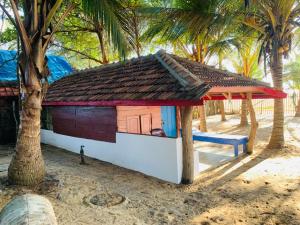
{"x": 187, "y": 79}
{"x": 237, "y": 75}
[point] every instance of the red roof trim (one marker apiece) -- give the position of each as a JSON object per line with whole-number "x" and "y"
{"x": 274, "y": 92}
{"x": 127, "y": 103}
{"x": 258, "y": 92}
{"x": 237, "y": 97}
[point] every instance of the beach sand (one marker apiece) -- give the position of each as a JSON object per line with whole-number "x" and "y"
{"x": 263, "y": 188}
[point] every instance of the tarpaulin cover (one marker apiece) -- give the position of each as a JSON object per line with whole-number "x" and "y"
{"x": 58, "y": 66}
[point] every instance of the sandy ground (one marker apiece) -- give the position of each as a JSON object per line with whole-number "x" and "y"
{"x": 259, "y": 189}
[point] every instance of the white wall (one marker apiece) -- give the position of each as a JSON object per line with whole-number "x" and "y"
{"x": 155, "y": 156}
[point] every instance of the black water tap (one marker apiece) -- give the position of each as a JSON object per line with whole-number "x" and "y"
{"x": 82, "y": 161}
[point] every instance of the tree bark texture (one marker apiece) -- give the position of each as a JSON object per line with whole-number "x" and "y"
{"x": 35, "y": 33}
{"x": 277, "y": 136}
{"x": 27, "y": 165}
{"x": 244, "y": 112}
{"x": 187, "y": 145}
{"x": 254, "y": 125}
{"x": 100, "y": 35}
{"x": 202, "y": 113}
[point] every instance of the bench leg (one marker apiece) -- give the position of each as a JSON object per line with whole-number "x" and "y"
{"x": 236, "y": 150}
{"x": 245, "y": 148}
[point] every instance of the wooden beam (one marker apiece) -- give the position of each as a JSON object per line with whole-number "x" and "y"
{"x": 243, "y": 95}
{"x": 228, "y": 96}
{"x": 186, "y": 113}
{"x": 254, "y": 124}
{"x": 267, "y": 92}
{"x": 225, "y": 95}
{"x": 209, "y": 96}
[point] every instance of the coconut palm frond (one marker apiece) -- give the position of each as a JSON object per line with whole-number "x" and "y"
{"x": 105, "y": 10}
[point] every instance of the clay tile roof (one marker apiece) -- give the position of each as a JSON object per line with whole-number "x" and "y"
{"x": 160, "y": 76}
{"x": 8, "y": 88}
{"x": 216, "y": 77}
{"x": 152, "y": 77}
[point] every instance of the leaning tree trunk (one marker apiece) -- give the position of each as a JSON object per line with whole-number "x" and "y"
{"x": 277, "y": 137}
{"x": 254, "y": 124}
{"x": 244, "y": 119}
{"x": 100, "y": 34}
{"x": 27, "y": 165}
{"x": 298, "y": 107}
{"x": 202, "y": 113}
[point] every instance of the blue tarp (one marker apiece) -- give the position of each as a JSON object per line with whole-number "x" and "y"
{"x": 58, "y": 66}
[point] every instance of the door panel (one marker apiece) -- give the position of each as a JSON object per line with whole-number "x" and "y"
{"x": 133, "y": 125}
{"x": 146, "y": 124}
{"x": 168, "y": 116}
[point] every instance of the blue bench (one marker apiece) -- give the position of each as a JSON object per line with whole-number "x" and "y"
{"x": 234, "y": 140}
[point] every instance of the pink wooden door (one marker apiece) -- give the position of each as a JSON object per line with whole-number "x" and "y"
{"x": 133, "y": 124}
{"x": 146, "y": 124}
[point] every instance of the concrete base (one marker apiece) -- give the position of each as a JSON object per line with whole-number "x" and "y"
{"x": 213, "y": 155}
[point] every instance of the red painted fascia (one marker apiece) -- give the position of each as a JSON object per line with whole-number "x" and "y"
{"x": 127, "y": 103}
{"x": 273, "y": 92}
{"x": 257, "y": 93}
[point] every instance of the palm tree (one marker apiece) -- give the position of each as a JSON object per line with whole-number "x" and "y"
{"x": 275, "y": 21}
{"x": 221, "y": 45}
{"x": 247, "y": 65}
{"x": 34, "y": 22}
{"x": 292, "y": 78}
{"x": 191, "y": 26}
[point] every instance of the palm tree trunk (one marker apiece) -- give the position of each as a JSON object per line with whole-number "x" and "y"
{"x": 298, "y": 107}
{"x": 27, "y": 165}
{"x": 202, "y": 126}
{"x": 222, "y": 110}
{"x": 136, "y": 34}
{"x": 254, "y": 125}
{"x": 100, "y": 34}
{"x": 277, "y": 136}
{"x": 244, "y": 119}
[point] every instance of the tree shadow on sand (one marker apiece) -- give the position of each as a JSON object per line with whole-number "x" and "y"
{"x": 215, "y": 184}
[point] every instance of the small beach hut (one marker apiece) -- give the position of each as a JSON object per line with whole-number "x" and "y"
{"x": 9, "y": 91}
{"x": 116, "y": 112}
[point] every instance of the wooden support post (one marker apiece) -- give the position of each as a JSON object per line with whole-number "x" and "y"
{"x": 254, "y": 124}
{"x": 222, "y": 110}
{"x": 202, "y": 126}
{"x": 186, "y": 113}
{"x": 178, "y": 121}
